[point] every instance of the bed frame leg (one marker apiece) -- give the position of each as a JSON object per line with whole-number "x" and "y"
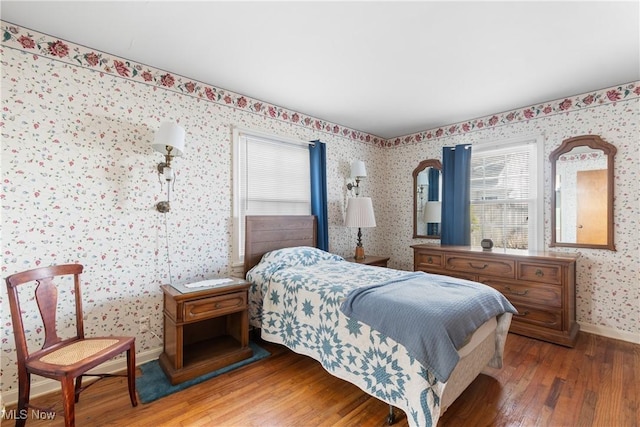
{"x": 392, "y": 417}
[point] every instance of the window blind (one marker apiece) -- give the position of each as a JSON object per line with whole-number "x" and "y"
{"x": 273, "y": 179}
{"x": 503, "y": 196}
{"x": 277, "y": 178}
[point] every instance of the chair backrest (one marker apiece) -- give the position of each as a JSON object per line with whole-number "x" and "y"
{"x": 46, "y": 295}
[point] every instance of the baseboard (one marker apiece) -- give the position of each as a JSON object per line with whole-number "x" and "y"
{"x": 610, "y": 332}
{"x": 48, "y": 386}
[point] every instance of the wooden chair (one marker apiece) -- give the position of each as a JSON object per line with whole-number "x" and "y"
{"x": 66, "y": 359}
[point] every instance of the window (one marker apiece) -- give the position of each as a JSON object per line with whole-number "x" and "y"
{"x": 271, "y": 177}
{"x": 506, "y": 194}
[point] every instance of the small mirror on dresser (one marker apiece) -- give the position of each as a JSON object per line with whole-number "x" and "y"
{"x": 427, "y": 197}
{"x": 582, "y": 193}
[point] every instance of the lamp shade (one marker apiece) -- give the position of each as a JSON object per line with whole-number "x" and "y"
{"x": 360, "y": 212}
{"x": 432, "y": 212}
{"x": 423, "y": 178}
{"x": 172, "y": 135}
{"x": 358, "y": 169}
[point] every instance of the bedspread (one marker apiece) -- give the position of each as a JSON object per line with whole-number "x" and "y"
{"x": 297, "y": 304}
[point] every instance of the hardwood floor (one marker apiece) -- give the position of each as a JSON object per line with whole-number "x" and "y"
{"x": 597, "y": 383}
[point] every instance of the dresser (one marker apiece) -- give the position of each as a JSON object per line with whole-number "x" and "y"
{"x": 541, "y": 285}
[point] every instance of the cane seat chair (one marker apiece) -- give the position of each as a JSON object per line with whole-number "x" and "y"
{"x": 66, "y": 360}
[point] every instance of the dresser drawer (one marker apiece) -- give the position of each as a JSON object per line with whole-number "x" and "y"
{"x": 550, "y": 319}
{"x": 527, "y": 293}
{"x": 214, "y": 306}
{"x": 540, "y": 272}
{"x": 477, "y": 265}
{"x": 427, "y": 261}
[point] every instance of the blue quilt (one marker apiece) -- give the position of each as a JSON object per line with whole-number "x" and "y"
{"x": 295, "y": 299}
{"x": 430, "y": 315}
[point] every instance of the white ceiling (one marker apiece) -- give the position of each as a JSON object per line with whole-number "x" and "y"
{"x": 387, "y": 68}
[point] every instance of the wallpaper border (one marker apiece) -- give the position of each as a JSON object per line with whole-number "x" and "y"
{"x": 43, "y": 45}
{"x": 612, "y": 95}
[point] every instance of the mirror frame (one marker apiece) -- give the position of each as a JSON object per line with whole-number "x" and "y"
{"x": 597, "y": 143}
{"x": 434, "y": 163}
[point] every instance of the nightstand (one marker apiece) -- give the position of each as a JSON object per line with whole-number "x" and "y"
{"x": 205, "y": 328}
{"x": 377, "y": 261}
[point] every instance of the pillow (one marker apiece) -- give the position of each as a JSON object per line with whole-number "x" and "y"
{"x": 299, "y": 255}
{"x": 278, "y": 259}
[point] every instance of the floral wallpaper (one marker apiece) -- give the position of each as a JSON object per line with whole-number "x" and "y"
{"x": 79, "y": 182}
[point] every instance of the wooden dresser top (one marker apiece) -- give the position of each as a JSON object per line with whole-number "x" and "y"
{"x": 500, "y": 252}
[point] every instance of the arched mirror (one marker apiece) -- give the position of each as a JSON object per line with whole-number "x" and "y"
{"x": 427, "y": 198}
{"x": 582, "y": 193}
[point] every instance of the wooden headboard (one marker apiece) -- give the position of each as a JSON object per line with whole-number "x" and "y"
{"x": 264, "y": 233}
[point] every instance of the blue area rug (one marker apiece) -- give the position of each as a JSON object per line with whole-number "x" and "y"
{"x": 154, "y": 384}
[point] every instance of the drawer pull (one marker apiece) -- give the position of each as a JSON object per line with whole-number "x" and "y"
{"x": 429, "y": 260}
{"x": 478, "y": 267}
{"x": 512, "y": 292}
{"x": 523, "y": 314}
{"x": 539, "y": 273}
{"x": 217, "y": 305}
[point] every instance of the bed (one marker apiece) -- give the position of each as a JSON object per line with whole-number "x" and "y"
{"x": 297, "y": 299}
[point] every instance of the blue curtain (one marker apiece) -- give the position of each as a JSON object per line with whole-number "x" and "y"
{"x": 456, "y": 211}
{"x": 318, "y": 166}
{"x": 433, "y": 195}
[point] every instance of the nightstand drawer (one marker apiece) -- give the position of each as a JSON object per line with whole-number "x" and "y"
{"x": 214, "y": 306}
{"x": 503, "y": 268}
{"x": 378, "y": 263}
{"x": 535, "y": 272}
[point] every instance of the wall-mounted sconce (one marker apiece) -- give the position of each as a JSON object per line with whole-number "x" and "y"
{"x": 358, "y": 172}
{"x": 423, "y": 183}
{"x": 359, "y": 214}
{"x": 169, "y": 140}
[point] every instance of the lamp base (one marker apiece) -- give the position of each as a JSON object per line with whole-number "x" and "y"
{"x": 163, "y": 207}
{"x": 359, "y": 253}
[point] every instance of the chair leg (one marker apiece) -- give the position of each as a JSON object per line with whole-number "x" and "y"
{"x": 24, "y": 388}
{"x": 68, "y": 401}
{"x": 78, "y": 388}
{"x": 131, "y": 373}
